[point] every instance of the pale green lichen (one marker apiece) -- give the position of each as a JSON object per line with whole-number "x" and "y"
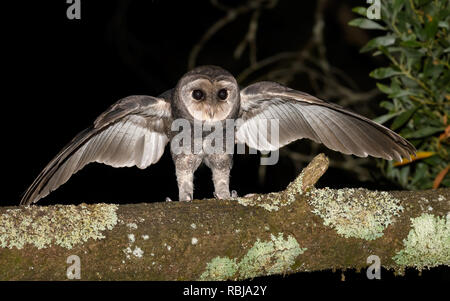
{"x": 271, "y": 202}
{"x": 356, "y": 213}
{"x": 272, "y": 257}
{"x": 296, "y": 186}
{"x": 132, "y": 226}
{"x": 219, "y": 269}
{"x": 275, "y": 200}
{"x": 427, "y": 244}
{"x": 60, "y": 225}
{"x": 137, "y": 252}
{"x": 264, "y": 258}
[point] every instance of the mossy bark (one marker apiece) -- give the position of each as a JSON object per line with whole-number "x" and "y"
{"x": 177, "y": 240}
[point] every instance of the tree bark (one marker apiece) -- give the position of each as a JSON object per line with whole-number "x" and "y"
{"x": 299, "y": 229}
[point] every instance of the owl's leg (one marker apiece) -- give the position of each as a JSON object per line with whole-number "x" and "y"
{"x": 185, "y": 166}
{"x": 221, "y": 179}
{"x": 185, "y": 185}
{"x": 220, "y": 166}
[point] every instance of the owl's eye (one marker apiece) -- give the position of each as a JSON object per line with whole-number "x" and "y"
{"x": 223, "y": 94}
{"x": 197, "y": 94}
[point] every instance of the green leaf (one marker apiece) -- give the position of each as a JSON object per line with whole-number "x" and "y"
{"x": 379, "y": 41}
{"x": 423, "y": 132}
{"x": 443, "y": 24}
{"x": 387, "y": 105}
{"x": 401, "y": 93}
{"x": 402, "y": 118}
{"x": 431, "y": 29}
{"x": 422, "y": 2}
{"x": 432, "y": 70}
{"x": 365, "y": 24}
{"x": 384, "y": 88}
{"x": 376, "y": 53}
{"x": 433, "y": 160}
{"x": 383, "y": 118}
{"x": 411, "y": 44}
{"x": 408, "y": 82}
{"x": 360, "y": 10}
{"x": 398, "y": 4}
{"x": 384, "y": 72}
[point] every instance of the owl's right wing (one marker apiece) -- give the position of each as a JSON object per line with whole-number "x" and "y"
{"x": 132, "y": 132}
{"x": 301, "y": 115}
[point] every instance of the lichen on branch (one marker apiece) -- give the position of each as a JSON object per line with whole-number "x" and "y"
{"x": 61, "y": 225}
{"x": 301, "y": 228}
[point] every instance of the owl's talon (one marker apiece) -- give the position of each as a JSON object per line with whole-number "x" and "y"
{"x": 220, "y": 198}
{"x": 168, "y": 199}
{"x": 187, "y": 199}
{"x": 228, "y": 196}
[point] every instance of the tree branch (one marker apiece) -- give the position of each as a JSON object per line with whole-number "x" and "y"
{"x": 299, "y": 229}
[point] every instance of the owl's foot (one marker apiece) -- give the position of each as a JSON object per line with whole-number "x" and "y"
{"x": 168, "y": 199}
{"x": 226, "y": 195}
{"x": 186, "y": 199}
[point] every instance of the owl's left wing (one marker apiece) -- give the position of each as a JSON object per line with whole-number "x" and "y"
{"x": 301, "y": 115}
{"x": 132, "y": 132}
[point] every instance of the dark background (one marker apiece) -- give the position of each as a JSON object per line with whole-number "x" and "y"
{"x": 60, "y": 74}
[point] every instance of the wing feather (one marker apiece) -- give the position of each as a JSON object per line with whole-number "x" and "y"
{"x": 131, "y": 132}
{"x": 301, "y": 115}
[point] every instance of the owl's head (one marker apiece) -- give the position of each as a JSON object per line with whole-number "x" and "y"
{"x": 208, "y": 93}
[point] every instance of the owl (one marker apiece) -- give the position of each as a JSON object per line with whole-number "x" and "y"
{"x": 135, "y": 130}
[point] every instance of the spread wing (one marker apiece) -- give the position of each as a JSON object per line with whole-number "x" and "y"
{"x": 131, "y": 132}
{"x": 301, "y": 115}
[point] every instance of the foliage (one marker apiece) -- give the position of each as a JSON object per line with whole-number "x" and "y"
{"x": 416, "y": 43}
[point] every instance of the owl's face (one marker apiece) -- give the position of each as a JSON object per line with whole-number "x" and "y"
{"x": 209, "y": 93}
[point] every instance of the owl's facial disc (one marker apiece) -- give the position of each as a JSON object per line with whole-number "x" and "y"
{"x": 209, "y": 100}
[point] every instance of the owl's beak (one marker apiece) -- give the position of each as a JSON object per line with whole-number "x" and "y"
{"x": 211, "y": 112}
